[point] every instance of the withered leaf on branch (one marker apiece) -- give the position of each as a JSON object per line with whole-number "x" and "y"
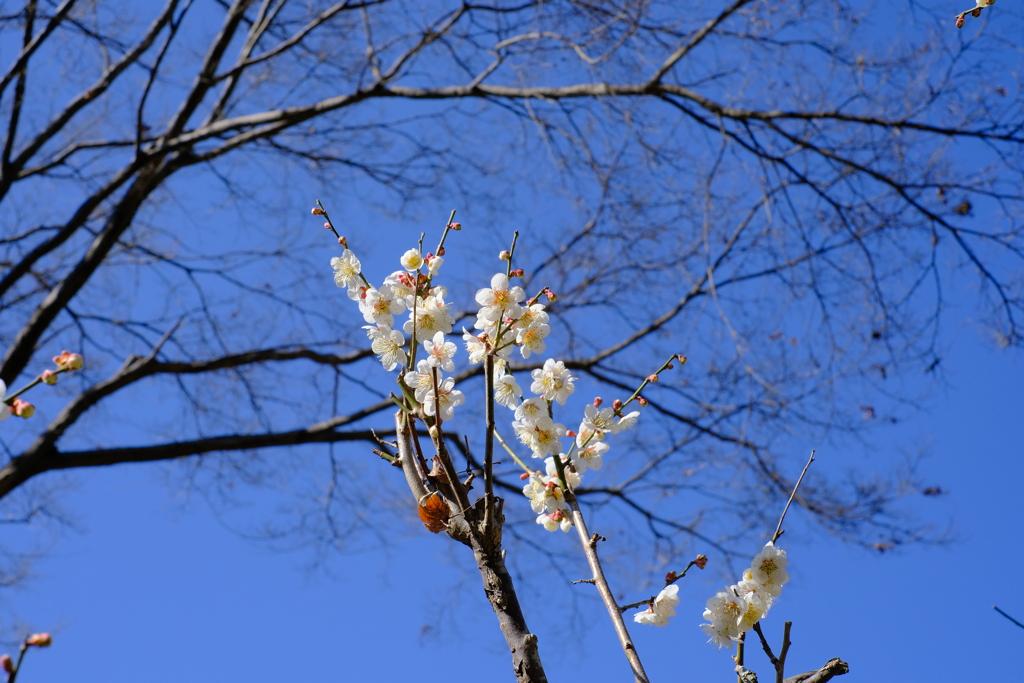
{"x": 434, "y": 513}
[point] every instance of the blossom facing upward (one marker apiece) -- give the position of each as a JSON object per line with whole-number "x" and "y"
{"x": 663, "y": 607}
{"x": 507, "y": 391}
{"x": 767, "y": 570}
{"x": 553, "y": 382}
{"x": 412, "y": 260}
{"x": 440, "y": 352}
{"x": 380, "y": 306}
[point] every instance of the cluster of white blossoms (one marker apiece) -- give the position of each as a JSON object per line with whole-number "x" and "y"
{"x": 505, "y": 321}
{"x": 428, "y": 315}
{"x": 735, "y": 609}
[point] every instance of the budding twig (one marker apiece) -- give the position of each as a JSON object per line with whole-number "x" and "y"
{"x": 779, "y": 529}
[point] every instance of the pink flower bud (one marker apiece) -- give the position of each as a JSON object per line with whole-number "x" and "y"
{"x": 642, "y": 401}
{"x": 524, "y": 476}
{"x": 669, "y": 366}
{"x": 518, "y": 272}
{"x": 670, "y": 577}
{"x": 550, "y": 295}
{"x": 343, "y": 242}
{"x": 49, "y": 377}
{"x": 960, "y": 21}
{"x": 440, "y": 252}
{"x": 652, "y": 378}
{"x": 327, "y": 226}
{"x": 317, "y": 211}
{"x": 22, "y": 408}
{"x": 39, "y": 640}
{"x": 701, "y": 561}
{"x": 557, "y": 515}
{"x": 504, "y": 256}
{"x": 598, "y": 401}
{"x": 570, "y": 433}
{"x": 616, "y": 405}
{"x": 6, "y": 664}
{"x": 456, "y": 226}
{"x": 681, "y": 358}
{"x": 976, "y": 12}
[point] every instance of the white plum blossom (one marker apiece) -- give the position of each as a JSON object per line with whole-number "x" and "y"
{"x": 554, "y": 521}
{"x": 532, "y": 315}
{"x": 412, "y": 260}
{"x": 553, "y": 382}
{"x": 767, "y": 570}
{"x": 402, "y": 285}
{"x": 627, "y": 421}
{"x": 599, "y": 420}
{"x": 346, "y": 272}
{"x": 387, "y": 344}
{"x": 446, "y": 397}
{"x": 544, "y": 493}
{"x": 507, "y": 391}
{"x": 542, "y": 435}
{"x": 531, "y": 410}
{"x": 589, "y": 458}
{"x": 663, "y": 607}
{"x": 434, "y": 264}
{"x": 571, "y": 478}
{"x": 499, "y": 300}
{"x": 380, "y": 306}
{"x": 422, "y": 380}
{"x": 432, "y": 316}
{"x": 531, "y": 340}
{"x": 440, "y": 352}
{"x": 757, "y": 604}
{"x": 724, "y": 612}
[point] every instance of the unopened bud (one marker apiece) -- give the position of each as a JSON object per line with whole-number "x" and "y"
{"x": 642, "y": 401}
{"x": 456, "y": 226}
{"x": 504, "y": 256}
{"x": 652, "y": 378}
{"x": 976, "y": 12}
{"x": 558, "y": 515}
{"x": 550, "y": 295}
{"x": 327, "y": 226}
{"x": 440, "y": 252}
{"x": 518, "y": 272}
{"x": 960, "y": 21}
{"x": 681, "y": 358}
{"x": 524, "y": 476}
{"x": 616, "y": 405}
{"x": 670, "y": 577}
{"x": 317, "y": 211}
{"x": 598, "y": 401}
{"x": 6, "y": 664}
{"x": 669, "y": 366}
{"x": 571, "y": 434}
{"x": 22, "y": 408}
{"x": 343, "y": 242}
{"x": 701, "y": 561}
{"x": 434, "y": 432}
{"x": 49, "y": 377}
{"x": 39, "y": 640}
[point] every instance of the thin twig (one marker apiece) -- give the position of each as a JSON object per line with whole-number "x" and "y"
{"x": 778, "y": 529}
{"x": 780, "y": 665}
{"x": 590, "y": 549}
{"x": 1007, "y": 616}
